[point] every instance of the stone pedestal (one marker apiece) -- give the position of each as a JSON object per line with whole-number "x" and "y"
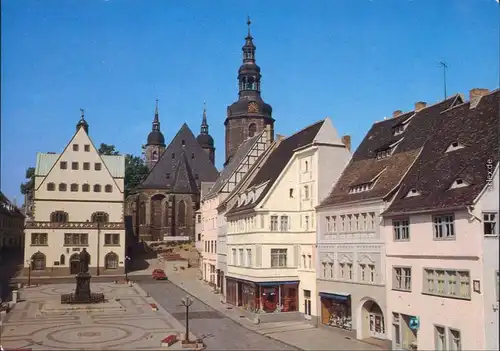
{"x": 82, "y": 291}
{"x": 14, "y": 296}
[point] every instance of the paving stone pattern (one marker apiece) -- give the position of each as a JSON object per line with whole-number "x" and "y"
{"x": 135, "y": 326}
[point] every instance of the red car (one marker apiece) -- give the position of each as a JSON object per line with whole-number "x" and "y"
{"x": 159, "y": 274}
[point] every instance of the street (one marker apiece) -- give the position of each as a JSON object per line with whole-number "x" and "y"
{"x": 217, "y": 331}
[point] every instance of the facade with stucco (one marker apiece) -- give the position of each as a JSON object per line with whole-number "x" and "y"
{"x": 78, "y": 203}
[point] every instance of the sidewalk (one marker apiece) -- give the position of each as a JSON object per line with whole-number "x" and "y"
{"x": 299, "y": 334}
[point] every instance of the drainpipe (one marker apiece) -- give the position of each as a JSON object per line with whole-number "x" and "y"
{"x": 469, "y": 210}
{"x": 98, "y": 244}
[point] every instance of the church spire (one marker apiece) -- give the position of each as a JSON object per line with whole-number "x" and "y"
{"x": 156, "y": 120}
{"x": 204, "y": 124}
{"x": 249, "y": 73}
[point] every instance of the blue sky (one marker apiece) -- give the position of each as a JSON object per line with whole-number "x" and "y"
{"x": 355, "y": 61}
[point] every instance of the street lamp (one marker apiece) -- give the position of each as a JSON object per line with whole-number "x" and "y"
{"x": 186, "y": 302}
{"x": 127, "y": 258}
{"x": 29, "y": 262}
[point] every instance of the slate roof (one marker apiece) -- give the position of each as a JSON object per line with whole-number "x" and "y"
{"x": 364, "y": 165}
{"x": 233, "y": 164}
{"x": 180, "y": 164}
{"x": 277, "y": 160}
{"x": 7, "y": 208}
{"x": 435, "y": 170}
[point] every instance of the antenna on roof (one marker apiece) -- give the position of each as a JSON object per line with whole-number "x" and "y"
{"x": 445, "y": 66}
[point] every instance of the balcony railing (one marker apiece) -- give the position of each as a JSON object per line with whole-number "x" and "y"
{"x": 74, "y": 225}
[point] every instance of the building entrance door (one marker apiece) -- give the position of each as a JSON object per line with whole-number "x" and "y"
{"x": 74, "y": 264}
{"x": 377, "y": 326}
{"x": 307, "y": 304}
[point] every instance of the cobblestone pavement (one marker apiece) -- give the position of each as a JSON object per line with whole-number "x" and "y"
{"x": 129, "y": 323}
{"x": 218, "y": 331}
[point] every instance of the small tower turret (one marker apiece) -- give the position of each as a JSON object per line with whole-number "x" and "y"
{"x": 205, "y": 139}
{"x": 156, "y": 141}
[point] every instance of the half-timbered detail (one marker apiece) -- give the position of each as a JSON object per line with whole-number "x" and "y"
{"x": 62, "y": 222}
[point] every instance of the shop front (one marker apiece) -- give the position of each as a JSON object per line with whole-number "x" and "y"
{"x": 231, "y": 291}
{"x": 336, "y": 310}
{"x": 220, "y": 281}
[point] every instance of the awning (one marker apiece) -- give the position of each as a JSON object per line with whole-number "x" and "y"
{"x": 336, "y": 296}
{"x": 276, "y": 283}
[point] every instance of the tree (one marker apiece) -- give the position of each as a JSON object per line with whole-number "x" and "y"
{"x": 109, "y": 150}
{"x": 28, "y": 186}
{"x": 135, "y": 171}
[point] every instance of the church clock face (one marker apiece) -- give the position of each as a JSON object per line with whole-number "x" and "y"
{"x": 253, "y": 107}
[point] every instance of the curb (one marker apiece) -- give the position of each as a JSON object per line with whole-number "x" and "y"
{"x": 235, "y": 320}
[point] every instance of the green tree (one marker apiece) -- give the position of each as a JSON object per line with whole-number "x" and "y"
{"x": 135, "y": 172}
{"x": 106, "y": 149}
{"x": 28, "y": 186}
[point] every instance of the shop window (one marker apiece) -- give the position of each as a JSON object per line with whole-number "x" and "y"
{"x": 336, "y": 313}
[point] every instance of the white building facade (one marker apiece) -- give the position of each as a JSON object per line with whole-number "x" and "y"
{"x": 78, "y": 204}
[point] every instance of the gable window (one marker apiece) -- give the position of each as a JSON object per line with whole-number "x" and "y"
{"x": 75, "y": 147}
{"x": 284, "y": 223}
{"x": 278, "y": 257}
{"x": 100, "y": 217}
{"x": 444, "y": 227}
{"x": 63, "y": 165}
{"x": 62, "y": 187}
{"x": 59, "y": 217}
{"x": 51, "y": 187}
{"x": 74, "y": 187}
{"x": 86, "y": 166}
{"x": 97, "y": 188}
{"x": 86, "y": 148}
{"x": 401, "y": 278}
{"x": 183, "y": 142}
{"x": 108, "y": 188}
{"x": 85, "y": 188}
{"x": 447, "y": 283}
{"x": 490, "y": 223}
{"x": 291, "y": 192}
{"x": 401, "y": 230}
{"x": 274, "y": 223}
{"x": 97, "y": 166}
{"x": 74, "y": 166}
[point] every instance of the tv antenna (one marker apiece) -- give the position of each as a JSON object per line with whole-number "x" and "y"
{"x": 445, "y": 67}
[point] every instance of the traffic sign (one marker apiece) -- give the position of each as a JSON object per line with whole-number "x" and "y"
{"x": 414, "y": 323}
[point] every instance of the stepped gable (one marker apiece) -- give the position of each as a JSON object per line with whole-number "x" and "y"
{"x": 180, "y": 164}
{"x": 386, "y": 173}
{"x": 277, "y": 161}
{"x": 233, "y": 164}
{"x": 436, "y": 170}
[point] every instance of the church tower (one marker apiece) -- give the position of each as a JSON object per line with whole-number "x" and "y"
{"x": 250, "y": 114}
{"x": 204, "y": 139}
{"x": 156, "y": 142}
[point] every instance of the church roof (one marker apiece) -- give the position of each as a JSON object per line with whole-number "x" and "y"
{"x": 182, "y": 167}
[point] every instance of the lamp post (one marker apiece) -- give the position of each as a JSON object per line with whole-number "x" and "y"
{"x": 98, "y": 243}
{"x": 127, "y": 259}
{"x": 186, "y": 302}
{"x": 29, "y": 271}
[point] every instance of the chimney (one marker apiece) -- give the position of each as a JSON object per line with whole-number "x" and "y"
{"x": 269, "y": 135}
{"x": 420, "y": 105}
{"x": 475, "y": 95}
{"x": 397, "y": 113}
{"x": 280, "y": 137}
{"x": 346, "y": 139}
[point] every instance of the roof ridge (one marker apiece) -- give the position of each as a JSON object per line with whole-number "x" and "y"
{"x": 303, "y": 129}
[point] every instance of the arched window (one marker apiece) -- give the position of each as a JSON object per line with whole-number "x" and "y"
{"x": 111, "y": 261}
{"x": 74, "y": 187}
{"x": 181, "y": 213}
{"x": 154, "y": 157}
{"x": 62, "y": 260}
{"x": 252, "y": 129}
{"x": 59, "y": 217}
{"x": 75, "y": 257}
{"x": 142, "y": 213}
{"x": 100, "y": 217}
{"x": 85, "y": 188}
{"x": 108, "y": 188}
{"x": 62, "y": 187}
{"x": 97, "y": 188}
{"x": 51, "y": 187}
{"x": 38, "y": 261}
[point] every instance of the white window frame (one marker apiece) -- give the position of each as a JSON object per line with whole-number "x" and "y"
{"x": 372, "y": 273}
{"x": 284, "y": 223}
{"x": 487, "y": 218}
{"x": 241, "y": 257}
{"x": 444, "y": 227}
{"x": 279, "y": 258}
{"x": 401, "y": 228}
{"x": 401, "y": 278}
{"x": 328, "y": 224}
{"x": 274, "y": 223}
{"x": 452, "y": 339}
{"x": 249, "y": 258}
{"x": 461, "y": 289}
{"x": 440, "y": 336}
{"x": 233, "y": 251}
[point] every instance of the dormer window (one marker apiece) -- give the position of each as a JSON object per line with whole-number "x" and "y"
{"x": 399, "y": 129}
{"x": 459, "y": 183}
{"x": 384, "y": 154}
{"x": 365, "y": 186}
{"x": 454, "y": 146}
{"x": 387, "y": 149}
{"x": 413, "y": 192}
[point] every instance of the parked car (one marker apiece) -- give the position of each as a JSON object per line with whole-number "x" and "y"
{"x": 159, "y": 274}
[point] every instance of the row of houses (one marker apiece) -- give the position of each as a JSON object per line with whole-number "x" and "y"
{"x": 396, "y": 241}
